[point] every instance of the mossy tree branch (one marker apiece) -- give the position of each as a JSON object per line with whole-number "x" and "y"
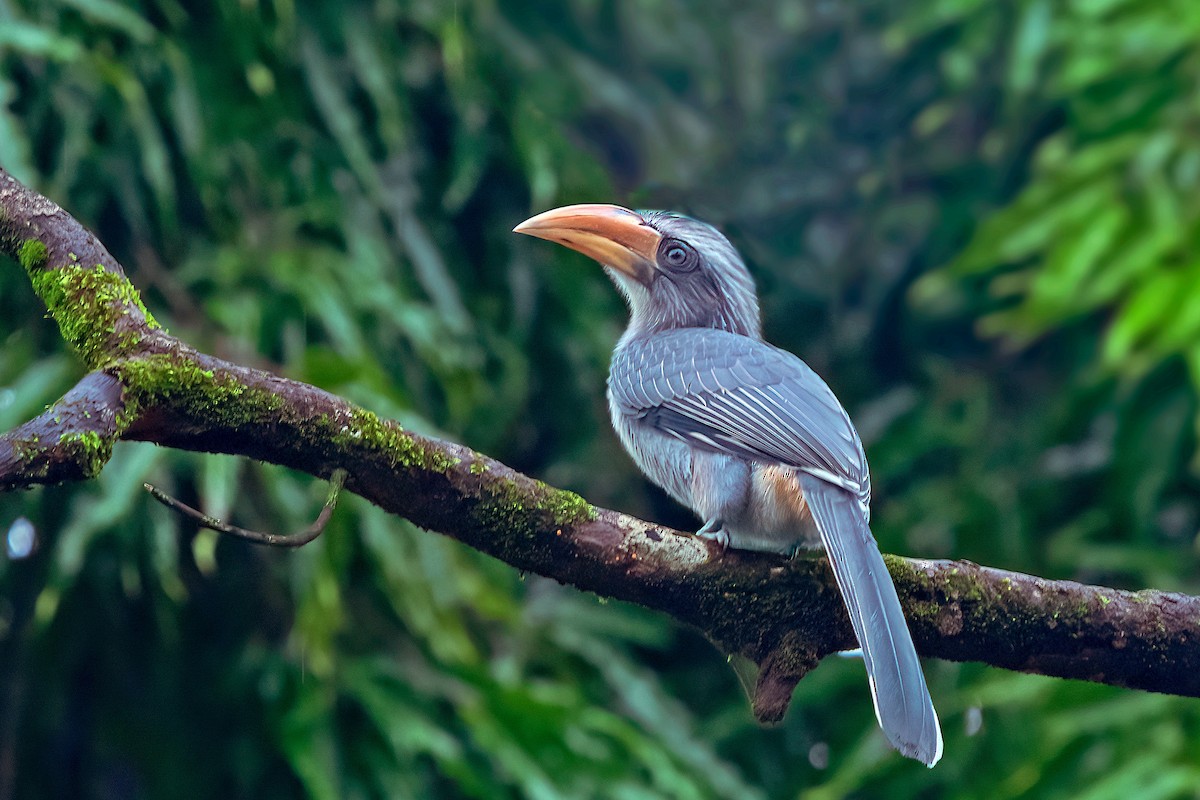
{"x": 149, "y": 386}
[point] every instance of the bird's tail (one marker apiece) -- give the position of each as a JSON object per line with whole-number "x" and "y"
{"x": 902, "y": 703}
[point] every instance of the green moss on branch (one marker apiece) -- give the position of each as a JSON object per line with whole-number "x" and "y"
{"x": 220, "y": 400}
{"x": 517, "y": 508}
{"x": 87, "y": 303}
{"x": 88, "y": 449}
{"x": 365, "y": 429}
{"x": 33, "y": 255}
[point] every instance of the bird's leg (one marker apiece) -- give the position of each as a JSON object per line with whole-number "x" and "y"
{"x": 714, "y": 530}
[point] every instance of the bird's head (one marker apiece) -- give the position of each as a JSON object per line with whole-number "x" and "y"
{"x": 675, "y": 272}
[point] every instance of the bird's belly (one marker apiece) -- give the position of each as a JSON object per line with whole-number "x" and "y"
{"x": 664, "y": 460}
{"x": 776, "y": 519}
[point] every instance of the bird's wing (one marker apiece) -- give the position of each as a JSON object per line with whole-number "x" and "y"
{"x": 737, "y": 395}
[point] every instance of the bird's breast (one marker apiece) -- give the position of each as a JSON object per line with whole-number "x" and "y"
{"x": 663, "y": 459}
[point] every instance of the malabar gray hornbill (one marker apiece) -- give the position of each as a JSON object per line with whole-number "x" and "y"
{"x": 743, "y": 433}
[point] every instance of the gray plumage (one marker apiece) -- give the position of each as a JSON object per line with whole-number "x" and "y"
{"x": 739, "y": 395}
{"x": 752, "y": 440}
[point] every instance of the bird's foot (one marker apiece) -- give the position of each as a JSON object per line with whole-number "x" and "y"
{"x": 714, "y": 531}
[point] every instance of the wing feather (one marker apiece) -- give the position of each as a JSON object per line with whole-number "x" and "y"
{"x": 733, "y": 394}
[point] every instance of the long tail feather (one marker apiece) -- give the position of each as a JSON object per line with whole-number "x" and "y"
{"x": 902, "y": 702}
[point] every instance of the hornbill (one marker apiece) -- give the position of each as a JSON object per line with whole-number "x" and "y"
{"x": 743, "y": 433}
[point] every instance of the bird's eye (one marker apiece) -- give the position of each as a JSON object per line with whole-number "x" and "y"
{"x": 678, "y": 255}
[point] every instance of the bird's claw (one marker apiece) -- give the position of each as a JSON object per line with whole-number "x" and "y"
{"x": 714, "y": 531}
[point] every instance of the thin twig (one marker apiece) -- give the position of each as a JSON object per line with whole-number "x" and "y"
{"x": 298, "y": 539}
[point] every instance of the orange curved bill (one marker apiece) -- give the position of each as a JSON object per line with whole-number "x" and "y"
{"x": 612, "y": 235}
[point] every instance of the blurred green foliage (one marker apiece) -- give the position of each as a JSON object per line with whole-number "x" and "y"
{"x": 975, "y": 219}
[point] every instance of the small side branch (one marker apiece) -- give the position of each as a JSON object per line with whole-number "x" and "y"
{"x": 298, "y": 539}
{"x": 71, "y": 440}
